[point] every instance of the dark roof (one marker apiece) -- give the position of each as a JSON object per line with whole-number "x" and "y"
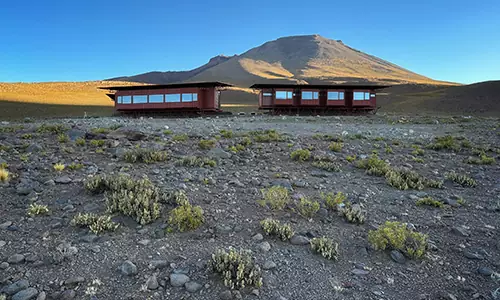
{"x": 165, "y": 86}
{"x": 318, "y": 86}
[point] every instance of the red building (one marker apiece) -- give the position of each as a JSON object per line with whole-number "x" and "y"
{"x": 280, "y": 98}
{"x": 178, "y": 97}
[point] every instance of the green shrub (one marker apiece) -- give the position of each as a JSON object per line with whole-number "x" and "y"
{"x": 148, "y": 156}
{"x": 27, "y": 136}
{"x": 195, "y": 161}
{"x": 186, "y": 216}
{"x": 63, "y": 138}
{"x": 327, "y": 137}
{"x": 395, "y": 235}
{"x": 418, "y": 159}
{"x": 354, "y": 213}
{"x": 447, "y": 142}
{"x": 237, "y": 268}
{"x": 75, "y": 166}
{"x": 96, "y": 224}
{"x": 351, "y": 158}
{"x": 206, "y": 144}
{"x": 4, "y": 174}
{"x": 246, "y": 141}
{"x": 80, "y": 142}
{"x": 403, "y": 180}
{"x": 482, "y": 160}
{"x": 429, "y": 202}
{"x": 307, "y": 208}
{"x": 336, "y": 146}
{"x": 97, "y": 143}
{"x": 54, "y": 129}
{"x": 301, "y": 155}
{"x": 461, "y": 179}
{"x": 37, "y": 209}
{"x": 329, "y": 166}
{"x": 417, "y": 150}
{"x": 180, "y": 137}
{"x": 274, "y": 227}
{"x": 326, "y": 247}
{"x": 167, "y": 132}
{"x": 388, "y": 150}
{"x": 59, "y": 167}
{"x": 226, "y": 133}
{"x": 237, "y": 148}
{"x": 332, "y": 200}
{"x": 266, "y": 136}
{"x": 276, "y": 197}
{"x": 100, "y": 130}
{"x": 374, "y": 165}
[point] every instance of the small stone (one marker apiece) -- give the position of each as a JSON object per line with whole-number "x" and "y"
{"x": 398, "y": 257}
{"x": 258, "y": 237}
{"x": 226, "y": 295}
{"x": 74, "y": 280}
{"x": 178, "y": 280}
{"x": 144, "y": 242}
{"x": 27, "y": 294}
{"x": 152, "y": 283}
{"x": 360, "y": 272}
{"x": 447, "y": 296}
{"x": 128, "y": 268}
{"x": 299, "y": 240}
{"x": 42, "y": 296}
{"x": 5, "y": 225}
{"x": 264, "y": 247}
{"x": 460, "y": 231}
{"x": 89, "y": 238}
{"x": 67, "y": 295}
{"x": 485, "y": 271}
{"x": 16, "y": 259}
{"x": 4, "y": 265}
{"x": 16, "y": 287}
{"x": 63, "y": 179}
{"x": 158, "y": 264}
{"x": 268, "y": 265}
{"x": 221, "y": 228}
{"x": 192, "y": 286}
{"x": 255, "y": 292}
{"x": 471, "y": 254}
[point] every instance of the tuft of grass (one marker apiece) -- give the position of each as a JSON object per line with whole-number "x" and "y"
{"x": 327, "y": 137}
{"x": 167, "y": 132}
{"x": 388, "y": 150}
{"x": 417, "y": 150}
{"x": 228, "y": 134}
{"x": 186, "y": 216}
{"x": 274, "y": 227}
{"x": 59, "y": 167}
{"x": 429, "y": 202}
{"x": 206, "y": 144}
{"x": 237, "y": 148}
{"x": 80, "y": 142}
{"x": 326, "y": 163}
{"x": 100, "y": 130}
{"x": 97, "y": 143}
{"x": 4, "y": 174}
{"x": 396, "y": 235}
{"x": 374, "y": 165}
{"x": 326, "y": 247}
{"x": 54, "y": 129}
{"x": 332, "y": 200}
{"x": 335, "y": 146}
{"x": 403, "y": 180}
{"x": 96, "y": 224}
{"x": 276, "y": 197}
{"x": 237, "y": 268}
{"x": 418, "y": 159}
{"x": 180, "y": 137}
{"x": 447, "y": 142}
{"x": 148, "y": 156}
{"x": 62, "y": 138}
{"x": 301, "y": 155}
{"x": 27, "y": 136}
{"x": 195, "y": 161}
{"x": 482, "y": 160}
{"x": 351, "y": 158}
{"x": 461, "y": 179}
{"x": 75, "y": 166}
{"x": 354, "y": 213}
{"x": 37, "y": 209}
{"x": 307, "y": 208}
{"x": 266, "y": 136}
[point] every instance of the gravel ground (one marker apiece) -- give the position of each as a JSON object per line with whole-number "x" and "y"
{"x": 45, "y": 257}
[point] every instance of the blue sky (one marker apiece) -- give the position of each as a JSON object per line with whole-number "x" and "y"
{"x": 58, "y": 40}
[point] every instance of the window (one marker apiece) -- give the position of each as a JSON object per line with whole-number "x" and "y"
{"x": 119, "y": 100}
{"x": 140, "y": 99}
{"x": 283, "y": 95}
{"x": 335, "y": 96}
{"x": 372, "y": 95}
{"x": 310, "y": 95}
{"x": 155, "y": 98}
{"x": 267, "y": 94}
{"x": 126, "y": 99}
{"x": 189, "y": 97}
{"x": 173, "y": 98}
{"x": 361, "y": 96}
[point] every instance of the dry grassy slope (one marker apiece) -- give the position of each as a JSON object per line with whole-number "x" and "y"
{"x": 306, "y": 58}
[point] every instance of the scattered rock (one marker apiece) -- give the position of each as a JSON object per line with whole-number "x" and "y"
{"x": 299, "y": 240}
{"x": 152, "y": 282}
{"x": 74, "y": 280}
{"x": 226, "y": 295}
{"x": 258, "y": 237}
{"x": 268, "y": 265}
{"x": 63, "y": 179}
{"x": 473, "y": 254}
{"x": 34, "y": 148}
{"x": 16, "y": 259}
{"x": 398, "y": 257}
{"x": 158, "y": 264}
{"x": 4, "y": 265}
{"x": 5, "y": 225}
{"x": 459, "y": 230}
{"x": 178, "y": 280}
{"x": 360, "y": 272}
{"x": 27, "y": 294}
{"x": 192, "y": 286}
{"x": 264, "y": 247}
{"x": 219, "y": 153}
{"x": 89, "y": 238}
{"x": 67, "y": 295}
{"x": 2, "y": 243}
{"x": 128, "y": 268}
{"x": 16, "y": 287}
{"x": 485, "y": 271}
{"x": 42, "y": 296}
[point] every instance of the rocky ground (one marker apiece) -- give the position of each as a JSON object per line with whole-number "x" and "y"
{"x": 45, "y": 257}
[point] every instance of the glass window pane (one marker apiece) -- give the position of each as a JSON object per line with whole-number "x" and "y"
{"x": 127, "y": 99}
{"x": 367, "y": 96}
{"x": 187, "y": 97}
{"x": 173, "y": 98}
{"x": 341, "y": 95}
{"x": 289, "y": 95}
{"x": 280, "y": 95}
{"x": 307, "y": 95}
{"x": 155, "y": 98}
{"x": 359, "y": 96}
{"x": 372, "y": 95}
{"x": 333, "y": 95}
{"x": 315, "y": 95}
{"x": 195, "y": 97}
{"x": 139, "y": 99}
{"x": 119, "y": 100}
{"x": 268, "y": 94}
